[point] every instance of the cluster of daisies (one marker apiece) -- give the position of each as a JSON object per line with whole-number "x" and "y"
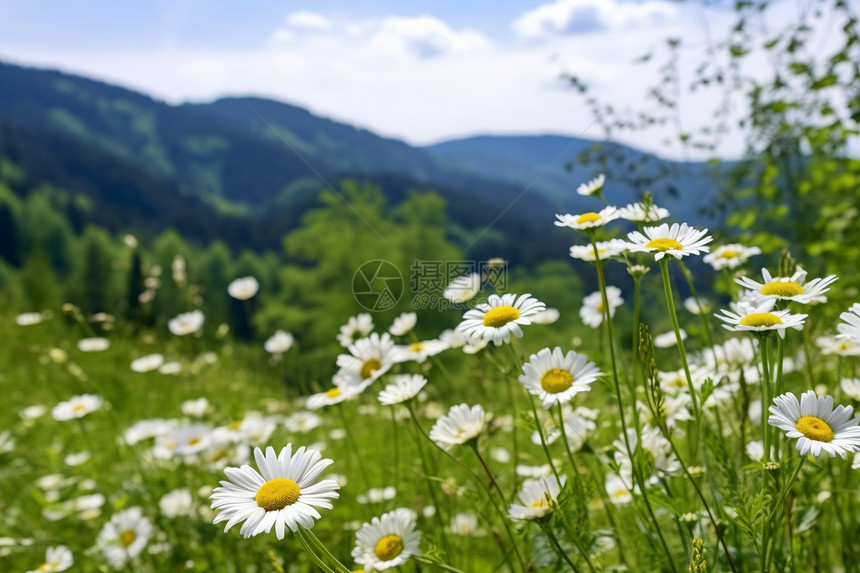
{"x": 289, "y": 488}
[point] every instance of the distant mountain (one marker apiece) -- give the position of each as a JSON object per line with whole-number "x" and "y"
{"x": 240, "y": 158}
{"x": 246, "y": 169}
{"x": 555, "y": 165}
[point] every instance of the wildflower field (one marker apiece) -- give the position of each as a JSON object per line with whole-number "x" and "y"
{"x": 590, "y": 304}
{"x": 658, "y": 429}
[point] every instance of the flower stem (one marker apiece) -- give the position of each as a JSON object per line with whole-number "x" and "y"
{"x": 636, "y": 474}
{"x": 557, "y": 546}
{"x": 478, "y": 480}
{"x": 670, "y": 303}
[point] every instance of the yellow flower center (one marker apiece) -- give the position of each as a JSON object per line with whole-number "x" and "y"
{"x": 127, "y": 537}
{"x": 416, "y": 347}
{"x": 600, "y": 308}
{"x": 664, "y": 245}
{"x": 588, "y": 218}
{"x": 539, "y": 503}
{"x": 332, "y": 393}
{"x": 619, "y": 493}
{"x": 193, "y": 441}
{"x": 389, "y": 547}
{"x": 368, "y": 367}
{"x": 501, "y": 315}
{"x": 235, "y": 425}
{"x": 78, "y": 408}
{"x": 277, "y": 494}
{"x": 556, "y": 380}
{"x": 50, "y": 566}
{"x": 814, "y": 429}
{"x": 761, "y": 319}
{"x": 786, "y": 289}
{"x": 729, "y": 254}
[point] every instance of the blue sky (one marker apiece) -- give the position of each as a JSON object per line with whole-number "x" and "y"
{"x": 422, "y": 71}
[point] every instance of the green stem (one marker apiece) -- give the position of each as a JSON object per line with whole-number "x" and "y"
{"x": 720, "y": 535}
{"x": 353, "y": 446}
{"x": 480, "y": 482}
{"x": 426, "y": 561}
{"x": 314, "y": 540}
{"x": 636, "y": 474}
{"x": 310, "y": 551}
{"x": 557, "y": 546}
{"x": 425, "y": 464}
{"x": 670, "y": 302}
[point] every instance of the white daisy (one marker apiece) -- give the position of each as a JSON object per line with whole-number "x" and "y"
{"x": 28, "y": 318}
{"x": 190, "y": 440}
{"x": 243, "y": 288}
{"x": 32, "y": 412}
{"x": 617, "y": 491}
{"x": 7, "y": 443}
{"x": 465, "y": 524}
{"x": 793, "y": 288}
{"x": 585, "y": 221}
{"x": 170, "y": 368}
{"x": 677, "y": 240}
{"x": 591, "y": 312}
{"x": 697, "y": 306}
{"x": 403, "y": 324}
{"x": 402, "y": 388}
{"x": 195, "y": 408}
{"x": 76, "y": 407}
{"x": 387, "y": 541}
{"x": 95, "y": 344}
{"x": 816, "y": 424}
{"x": 57, "y": 559}
{"x": 605, "y": 250}
{"x": 637, "y": 213}
{"x": 463, "y": 289}
{"x": 761, "y": 318}
{"x": 417, "y": 351}
{"x": 147, "y": 363}
{"x": 285, "y": 492}
{"x": 124, "y": 536}
{"x": 499, "y": 317}
{"x": 356, "y": 327}
{"x": 177, "y": 502}
{"x": 555, "y": 378}
{"x": 304, "y": 421}
{"x": 539, "y": 497}
{"x": 668, "y": 339}
{"x": 332, "y": 396}
{"x": 851, "y": 388}
{"x": 593, "y": 187}
{"x": 831, "y": 345}
{"x": 475, "y": 345}
{"x": 369, "y": 359}
{"x": 850, "y": 325}
{"x": 460, "y": 425}
{"x": 546, "y": 316}
{"x": 453, "y": 338}
{"x": 146, "y": 429}
{"x": 186, "y": 323}
{"x": 279, "y": 343}
{"x": 659, "y": 456}
{"x": 534, "y": 472}
{"x": 730, "y": 256}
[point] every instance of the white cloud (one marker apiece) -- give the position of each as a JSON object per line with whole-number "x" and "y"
{"x": 422, "y": 80}
{"x": 309, "y": 21}
{"x": 571, "y": 17}
{"x": 425, "y": 37}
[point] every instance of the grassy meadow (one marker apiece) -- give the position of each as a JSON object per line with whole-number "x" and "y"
{"x": 592, "y": 442}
